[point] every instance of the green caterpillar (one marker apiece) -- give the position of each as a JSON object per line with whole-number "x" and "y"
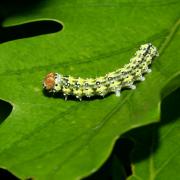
{"x": 111, "y": 82}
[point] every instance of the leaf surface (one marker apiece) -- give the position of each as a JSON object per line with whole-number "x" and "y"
{"x": 49, "y": 138}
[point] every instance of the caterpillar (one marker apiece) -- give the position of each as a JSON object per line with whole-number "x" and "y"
{"x": 112, "y": 82}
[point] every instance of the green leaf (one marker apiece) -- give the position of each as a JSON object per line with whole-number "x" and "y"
{"x": 156, "y": 154}
{"x": 49, "y": 138}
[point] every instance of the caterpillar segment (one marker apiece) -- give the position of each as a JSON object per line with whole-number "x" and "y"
{"x": 111, "y": 82}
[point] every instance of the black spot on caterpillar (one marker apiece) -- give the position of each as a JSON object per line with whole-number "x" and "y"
{"x": 111, "y": 82}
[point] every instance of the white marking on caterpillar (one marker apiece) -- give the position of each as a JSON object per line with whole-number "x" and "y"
{"x": 111, "y": 82}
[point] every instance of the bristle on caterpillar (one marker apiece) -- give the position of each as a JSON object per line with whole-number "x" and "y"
{"x": 111, "y": 82}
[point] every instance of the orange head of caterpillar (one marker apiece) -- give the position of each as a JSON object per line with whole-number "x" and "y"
{"x": 52, "y": 82}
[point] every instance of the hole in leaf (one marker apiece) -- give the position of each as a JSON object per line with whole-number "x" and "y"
{"x": 118, "y": 164}
{"x": 29, "y": 29}
{"x": 5, "y": 174}
{"x": 123, "y": 149}
{"x": 5, "y": 110}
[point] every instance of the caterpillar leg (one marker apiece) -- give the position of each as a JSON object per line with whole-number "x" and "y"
{"x": 118, "y": 93}
{"x": 132, "y": 87}
{"x": 142, "y": 78}
{"x": 65, "y": 98}
{"x": 79, "y": 97}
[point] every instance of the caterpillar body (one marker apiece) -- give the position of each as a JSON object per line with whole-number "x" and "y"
{"x": 111, "y": 82}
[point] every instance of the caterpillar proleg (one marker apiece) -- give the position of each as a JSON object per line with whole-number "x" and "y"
{"x": 112, "y": 82}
